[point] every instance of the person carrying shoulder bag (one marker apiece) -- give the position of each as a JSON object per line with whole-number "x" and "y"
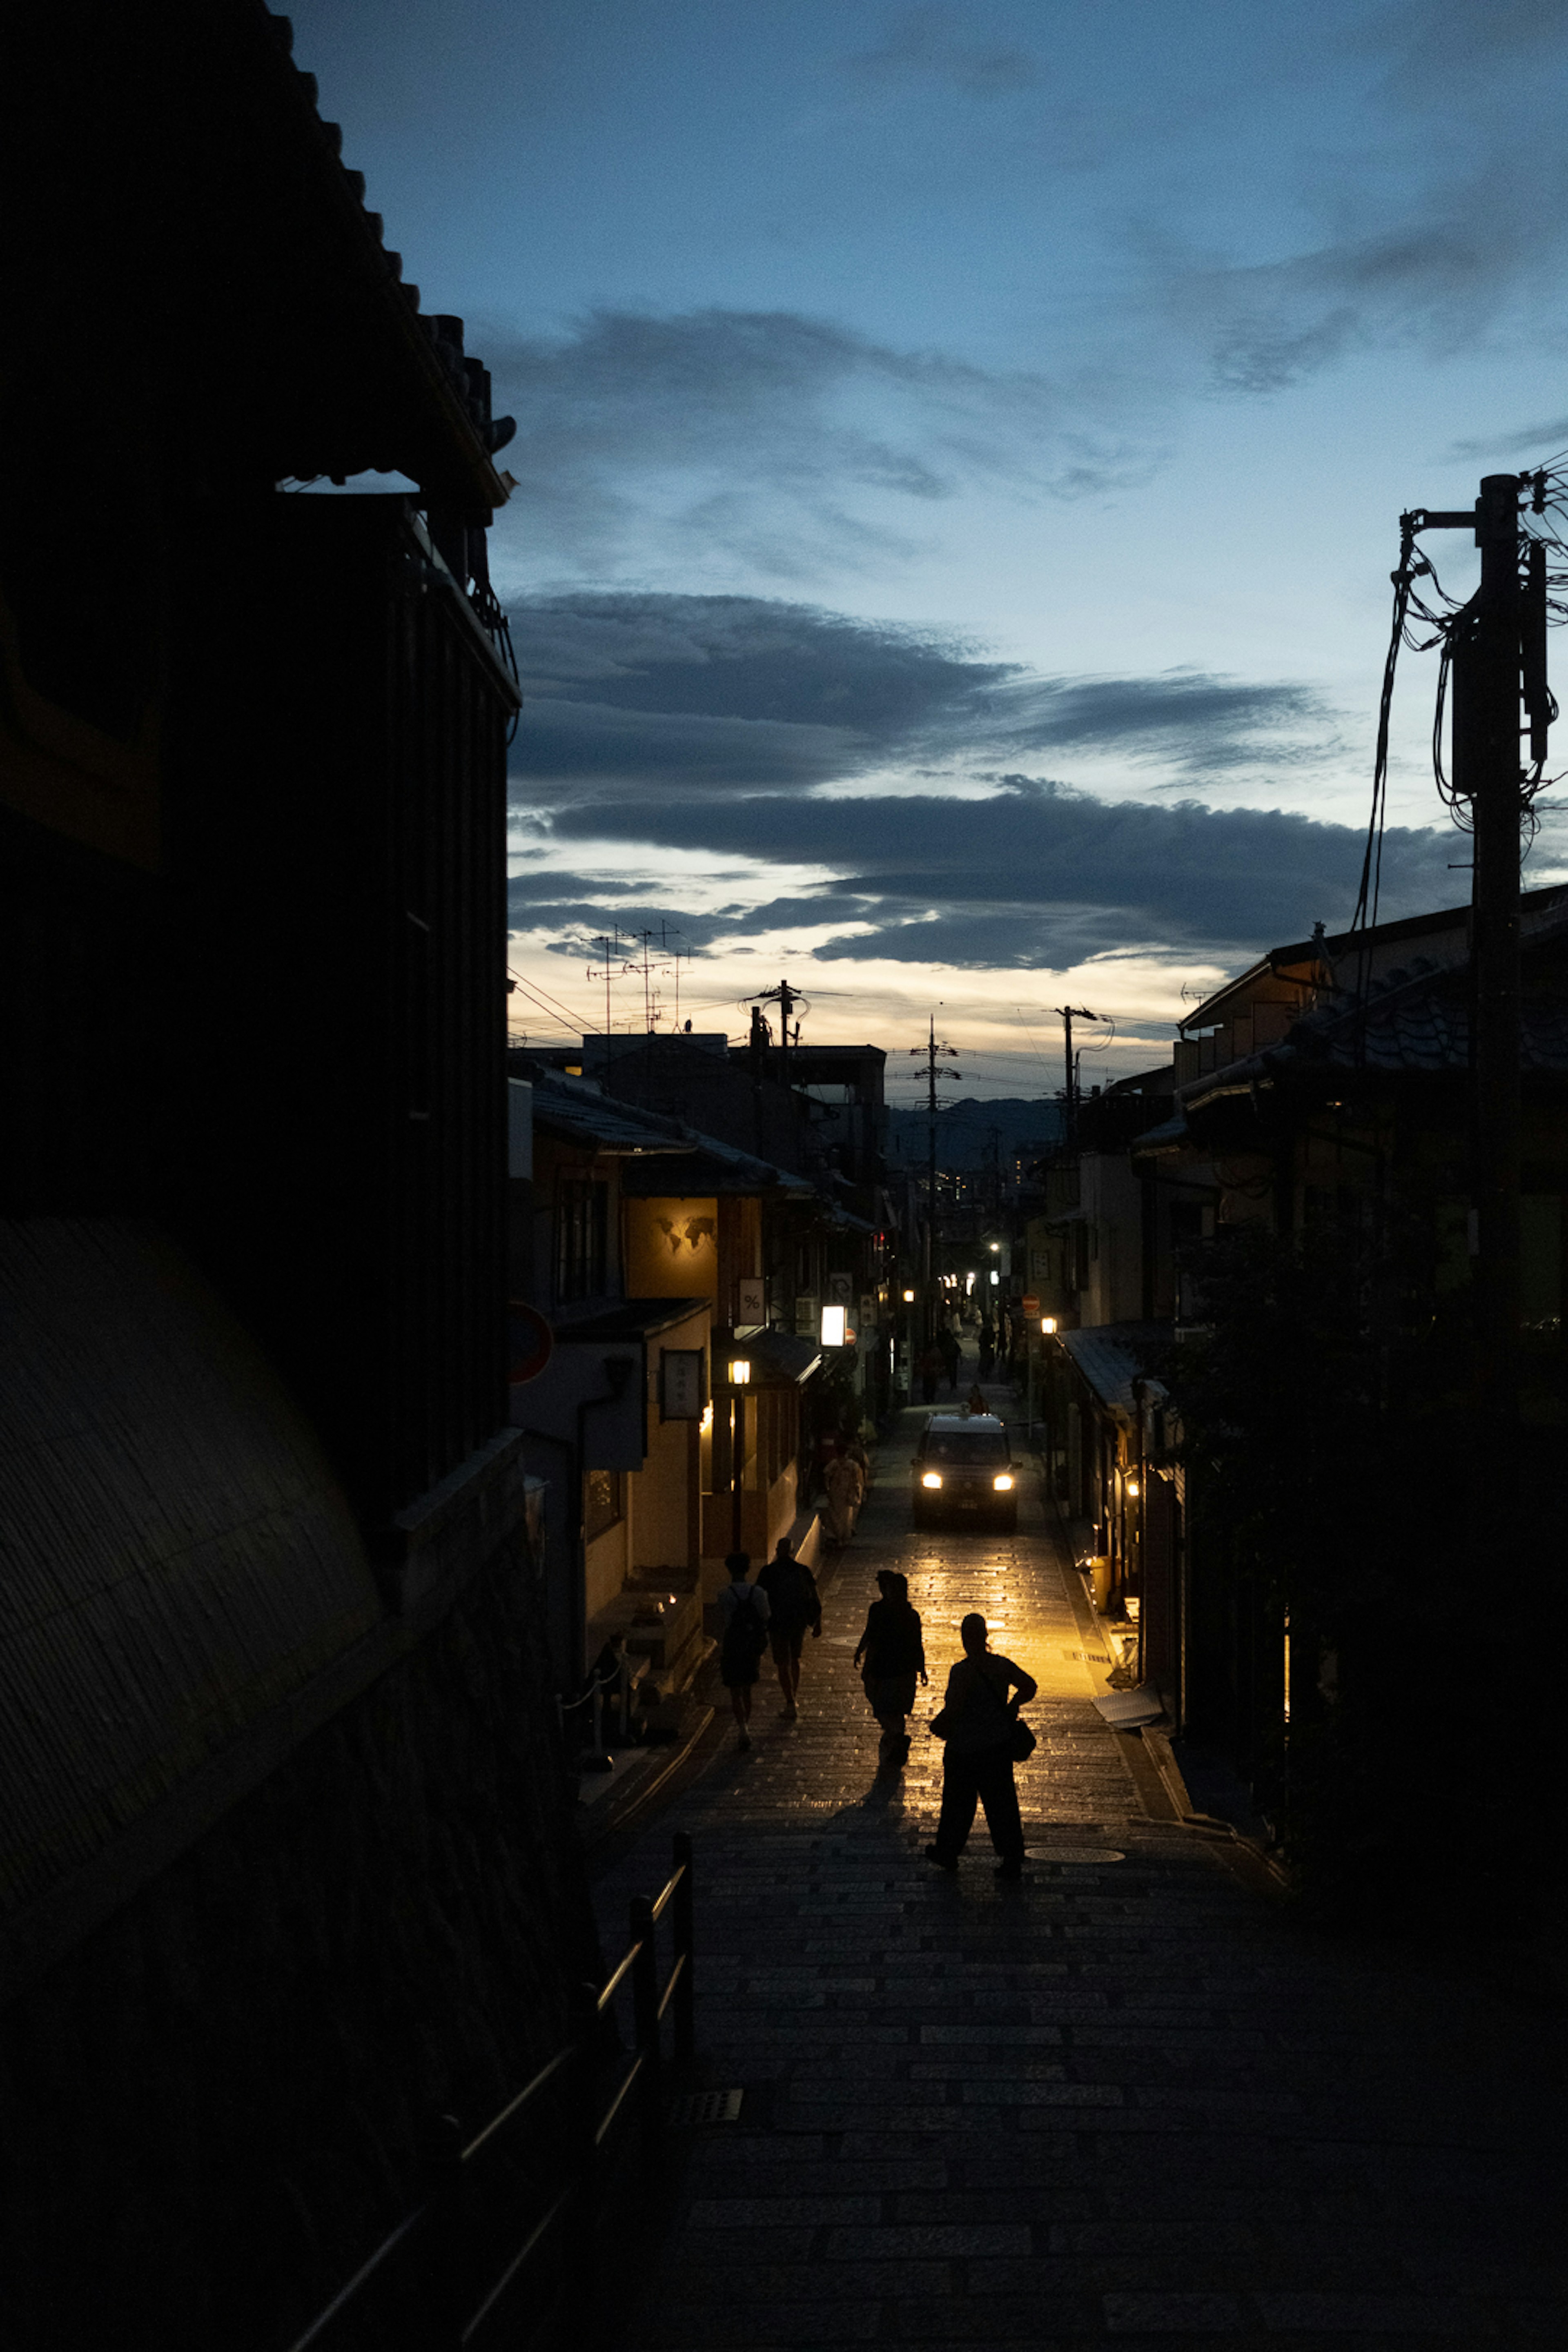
{"x": 979, "y": 1722}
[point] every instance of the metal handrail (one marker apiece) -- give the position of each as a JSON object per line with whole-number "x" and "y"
{"x": 436, "y": 2219}
{"x": 546, "y": 2074}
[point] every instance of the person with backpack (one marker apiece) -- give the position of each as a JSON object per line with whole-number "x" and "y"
{"x": 793, "y": 1604}
{"x": 894, "y": 1651}
{"x": 743, "y": 1618}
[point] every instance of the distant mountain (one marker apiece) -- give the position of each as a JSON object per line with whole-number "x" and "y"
{"x": 964, "y": 1129}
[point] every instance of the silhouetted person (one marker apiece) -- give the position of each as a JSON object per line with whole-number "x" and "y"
{"x": 985, "y": 1692}
{"x": 793, "y": 1604}
{"x": 987, "y": 1350}
{"x": 743, "y": 1615}
{"x": 894, "y": 1650}
{"x": 845, "y": 1483}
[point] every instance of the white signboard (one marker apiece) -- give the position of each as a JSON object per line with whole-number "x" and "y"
{"x": 751, "y": 1299}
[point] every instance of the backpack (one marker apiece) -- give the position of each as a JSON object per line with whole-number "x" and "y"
{"x": 746, "y": 1638}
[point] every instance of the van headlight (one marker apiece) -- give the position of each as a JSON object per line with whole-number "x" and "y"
{"x": 1004, "y": 1485}
{"x": 932, "y": 1478}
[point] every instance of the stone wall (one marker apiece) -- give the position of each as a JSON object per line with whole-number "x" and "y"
{"x": 215, "y": 2106}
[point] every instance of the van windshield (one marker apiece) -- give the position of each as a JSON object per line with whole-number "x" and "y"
{"x": 978, "y": 1447}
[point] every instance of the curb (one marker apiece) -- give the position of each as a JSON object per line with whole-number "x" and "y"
{"x": 593, "y": 1833}
{"x": 1206, "y": 1825}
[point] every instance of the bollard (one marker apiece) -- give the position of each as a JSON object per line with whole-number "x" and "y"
{"x": 685, "y": 1988}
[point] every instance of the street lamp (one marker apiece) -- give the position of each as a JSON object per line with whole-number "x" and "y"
{"x": 740, "y": 1370}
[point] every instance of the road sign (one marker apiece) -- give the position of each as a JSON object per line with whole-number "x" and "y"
{"x": 530, "y": 1343}
{"x": 1031, "y": 1304}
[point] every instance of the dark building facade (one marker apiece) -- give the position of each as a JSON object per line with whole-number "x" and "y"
{"x": 285, "y": 1863}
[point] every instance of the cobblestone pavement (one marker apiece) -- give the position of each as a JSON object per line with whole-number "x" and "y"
{"x": 1125, "y": 2099}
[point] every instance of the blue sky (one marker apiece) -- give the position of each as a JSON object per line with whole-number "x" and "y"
{"x": 960, "y": 457}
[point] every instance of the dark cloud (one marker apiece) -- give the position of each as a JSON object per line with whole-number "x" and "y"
{"x": 1532, "y": 440}
{"x": 1449, "y": 216}
{"x": 744, "y": 694}
{"x": 1041, "y": 875}
{"x": 1192, "y": 721}
{"x": 780, "y": 440}
{"x": 929, "y": 44}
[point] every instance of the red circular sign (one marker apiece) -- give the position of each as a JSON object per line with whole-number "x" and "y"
{"x": 530, "y": 1343}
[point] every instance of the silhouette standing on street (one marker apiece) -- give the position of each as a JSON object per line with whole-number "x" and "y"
{"x": 977, "y": 1719}
{"x": 845, "y": 1483}
{"x": 743, "y": 1615}
{"x": 793, "y": 1604}
{"x": 894, "y": 1651}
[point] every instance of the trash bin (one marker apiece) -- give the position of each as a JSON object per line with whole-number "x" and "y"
{"x": 1100, "y": 1580}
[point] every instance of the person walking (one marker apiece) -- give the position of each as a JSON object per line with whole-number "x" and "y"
{"x": 930, "y": 1370}
{"x": 793, "y": 1604}
{"x": 952, "y": 1352}
{"x": 979, "y": 1721}
{"x": 987, "y": 1350}
{"x": 893, "y": 1648}
{"x": 975, "y": 1402}
{"x": 845, "y": 1483}
{"x": 744, "y": 1636}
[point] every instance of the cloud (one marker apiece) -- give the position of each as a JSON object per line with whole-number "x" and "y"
{"x": 770, "y": 440}
{"x": 1193, "y": 721}
{"x": 926, "y": 44}
{"x": 1039, "y": 875}
{"x": 747, "y": 694}
{"x": 727, "y": 692}
{"x": 1534, "y": 440}
{"x": 1433, "y": 224}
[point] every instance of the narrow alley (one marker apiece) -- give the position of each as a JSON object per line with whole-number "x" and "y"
{"x": 1127, "y": 2097}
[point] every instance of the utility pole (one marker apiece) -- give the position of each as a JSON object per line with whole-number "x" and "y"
{"x": 1498, "y": 649}
{"x": 1070, "y": 1013}
{"x": 934, "y": 1053}
{"x": 786, "y": 998}
{"x": 609, "y": 947}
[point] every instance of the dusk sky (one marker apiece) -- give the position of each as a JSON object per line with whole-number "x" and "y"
{"x": 960, "y": 453}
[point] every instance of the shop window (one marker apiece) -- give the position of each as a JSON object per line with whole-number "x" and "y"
{"x": 604, "y": 1500}
{"x": 582, "y": 1228}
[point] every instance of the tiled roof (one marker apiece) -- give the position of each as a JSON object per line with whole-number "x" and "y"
{"x": 463, "y": 381}
{"x": 692, "y": 1162}
{"x": 584, "y": 1116}
{"x": 1414, "y": 1020}
{"x": 1111, "y": 1355}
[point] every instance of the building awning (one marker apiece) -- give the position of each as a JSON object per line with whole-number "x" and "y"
{"x": 629, "y": 1318}
{"x": 711, "y": 1169}
{"x": 1110, "y": 1356}
{"x": 778, "y": 1360}
{"x": 1171, "y": 1135}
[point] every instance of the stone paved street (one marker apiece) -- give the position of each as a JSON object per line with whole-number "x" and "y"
{"x": 1127, "y": 2099}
